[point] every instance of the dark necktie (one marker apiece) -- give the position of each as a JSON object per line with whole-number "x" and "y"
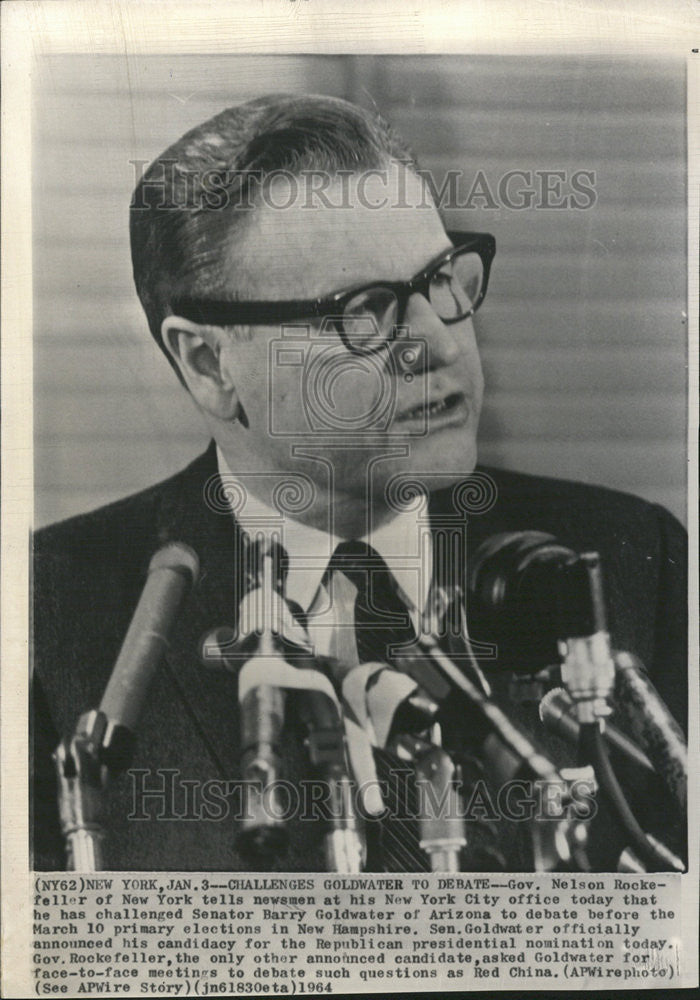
{"x": 382, "y": 626}
{"x": 382, "y": 622}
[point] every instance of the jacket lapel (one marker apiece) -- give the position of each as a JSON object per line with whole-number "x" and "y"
{"x": 461, "y": 518}
{"x": 193, "y": 510}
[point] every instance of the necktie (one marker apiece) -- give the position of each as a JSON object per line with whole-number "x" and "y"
{"x": 382, "y": 621}
{"x": 382, "y": 626}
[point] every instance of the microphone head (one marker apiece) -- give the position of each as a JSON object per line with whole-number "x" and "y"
{"x": 178, "y": 557}
{"x": 514, "y": 598}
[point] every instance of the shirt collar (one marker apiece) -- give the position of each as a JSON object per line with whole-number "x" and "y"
{"x": 403, "y": 543}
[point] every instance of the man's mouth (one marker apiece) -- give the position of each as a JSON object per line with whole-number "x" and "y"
{"x": 437, "y": 411}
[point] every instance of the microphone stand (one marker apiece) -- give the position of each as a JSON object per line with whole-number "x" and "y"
{"x": 82, "y": 782}
{"x": 589, "y": 671}
{"x": 325, "y": 743}
{"x": 556, "y": 844}
{"x": 441, "y": 823}
{"x": 86, "y": 765}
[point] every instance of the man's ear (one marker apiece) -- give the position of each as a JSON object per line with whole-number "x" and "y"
{"x": 197, "y": 351}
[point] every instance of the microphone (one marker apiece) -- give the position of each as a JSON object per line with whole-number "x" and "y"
{"x": 450, "y": 687}
{"x": 111, "y": 728}
{"x": 507, "y": 754}
{"x": 255, "y": 652}
{"x": 541, "y": 597}
{"x": 103, "y": 740}
{"x": 506, "y": 751}
{"x": 512, "y": 593}
{"x": 545, "y": 604}
{"x": 262, "y": 711}
{"x": 172, "y": 570}
{"x": 272, "y": 657}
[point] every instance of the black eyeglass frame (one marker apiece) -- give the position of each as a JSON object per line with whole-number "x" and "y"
{"x": 264, "y": 312}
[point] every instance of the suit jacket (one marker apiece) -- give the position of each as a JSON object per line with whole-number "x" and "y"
{"x": 88, "y": 574}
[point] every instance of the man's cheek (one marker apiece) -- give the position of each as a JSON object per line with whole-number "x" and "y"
{"x": 362, "y": 403}
{"x": 356, "y": 409}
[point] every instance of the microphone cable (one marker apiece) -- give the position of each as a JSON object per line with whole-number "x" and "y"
{"x": 592, "y": 750}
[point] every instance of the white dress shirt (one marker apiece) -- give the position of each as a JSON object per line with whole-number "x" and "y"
{"x": 404, "y": 543}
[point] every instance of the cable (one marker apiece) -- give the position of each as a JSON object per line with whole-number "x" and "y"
{"x": 592, "y": 750}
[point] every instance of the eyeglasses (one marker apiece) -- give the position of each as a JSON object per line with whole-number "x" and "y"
{"x": 367, "y": 317}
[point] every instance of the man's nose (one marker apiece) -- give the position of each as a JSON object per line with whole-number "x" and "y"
{"x": 443, "y": 343}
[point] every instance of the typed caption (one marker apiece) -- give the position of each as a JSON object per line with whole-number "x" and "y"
{"x": 221, "y": 934}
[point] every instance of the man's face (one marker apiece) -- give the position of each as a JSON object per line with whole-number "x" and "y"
{"x": 414, "y": 406}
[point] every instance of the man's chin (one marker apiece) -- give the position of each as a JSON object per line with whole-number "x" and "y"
{"x": 442, "y": 459}
{"x": 425, "y": 469}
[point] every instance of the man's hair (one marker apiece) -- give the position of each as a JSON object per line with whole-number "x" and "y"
{"x": 193, "y": 201}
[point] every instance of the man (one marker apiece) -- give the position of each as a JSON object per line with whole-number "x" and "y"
{"x": 298, "y": 276}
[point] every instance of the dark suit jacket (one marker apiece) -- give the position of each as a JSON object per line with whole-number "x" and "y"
{"x": 88, "y": 574}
